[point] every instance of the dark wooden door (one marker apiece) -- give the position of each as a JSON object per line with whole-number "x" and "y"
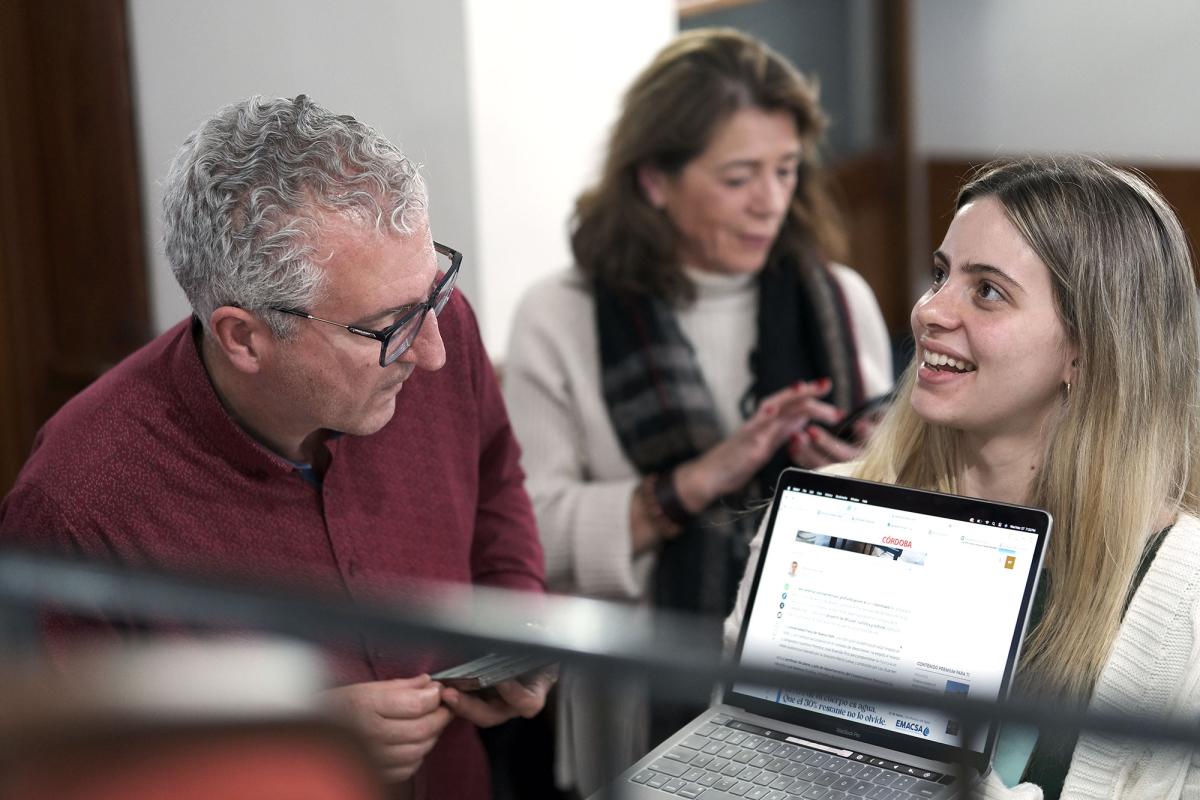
{"x": 73, "y": 288}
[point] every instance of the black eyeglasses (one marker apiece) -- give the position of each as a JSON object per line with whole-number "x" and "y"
{"x": 396, "y": 338}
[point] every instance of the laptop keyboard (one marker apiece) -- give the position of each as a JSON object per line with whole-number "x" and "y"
{"x": 725, "y": 757}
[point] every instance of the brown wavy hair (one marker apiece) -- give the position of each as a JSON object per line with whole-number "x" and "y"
{"x": 668, "y": 117}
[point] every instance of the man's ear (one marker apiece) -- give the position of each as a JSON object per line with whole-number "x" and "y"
{"x": 654, "y": 183}
{"x": 243, "y": 338}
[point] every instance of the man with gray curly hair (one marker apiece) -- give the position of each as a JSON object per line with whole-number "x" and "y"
{"x": 327, "y": 417}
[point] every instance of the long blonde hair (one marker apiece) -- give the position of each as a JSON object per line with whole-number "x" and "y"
{"x": 1122, "y": 452}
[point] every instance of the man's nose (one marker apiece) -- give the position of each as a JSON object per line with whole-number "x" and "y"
{"x": 429, "y": 349}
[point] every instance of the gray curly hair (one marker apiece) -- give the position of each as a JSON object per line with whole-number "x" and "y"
{"x": 243, "y": 193}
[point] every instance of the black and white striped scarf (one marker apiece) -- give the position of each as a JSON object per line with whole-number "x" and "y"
{"x": 664, "y": 413}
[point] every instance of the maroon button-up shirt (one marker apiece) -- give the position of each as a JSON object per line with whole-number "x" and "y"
{"x": 145, "y": 467}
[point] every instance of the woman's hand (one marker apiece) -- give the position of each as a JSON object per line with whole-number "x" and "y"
{"x": 730, "y": 465}
{"x": 816, "y": 447}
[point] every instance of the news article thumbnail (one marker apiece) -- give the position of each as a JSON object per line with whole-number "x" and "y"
{"x": 893, "y": 547}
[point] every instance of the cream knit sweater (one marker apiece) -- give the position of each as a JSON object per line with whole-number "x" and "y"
{"x": 580, "y": 480}
{"x": 578, "y": 476}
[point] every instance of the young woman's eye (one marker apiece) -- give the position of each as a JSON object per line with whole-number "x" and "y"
{"x": 736, "y": 183}
{"x": 786, "y": 173}
{"x": 938, "y": 275}
{"x": 987, "y": 291}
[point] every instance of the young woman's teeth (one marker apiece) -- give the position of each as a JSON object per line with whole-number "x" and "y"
{"x": 940, "y": 360}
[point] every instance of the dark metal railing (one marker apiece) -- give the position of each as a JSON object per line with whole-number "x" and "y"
{"x": 614, "y": 642}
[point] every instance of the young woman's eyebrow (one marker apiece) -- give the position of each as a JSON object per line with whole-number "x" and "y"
{"x": 979, "y": 268}
{"x": 976, "y": 268}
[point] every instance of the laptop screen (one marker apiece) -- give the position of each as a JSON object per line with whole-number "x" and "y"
{"x": 894, "y": 587}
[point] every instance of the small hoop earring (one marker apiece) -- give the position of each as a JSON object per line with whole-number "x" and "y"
{"x": 1068, "y": 388}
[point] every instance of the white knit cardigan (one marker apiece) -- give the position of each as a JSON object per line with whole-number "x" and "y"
{"x": 1154, "y": 668}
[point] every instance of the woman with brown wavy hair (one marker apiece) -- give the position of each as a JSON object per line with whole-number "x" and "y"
{"x": 660, "y": 385}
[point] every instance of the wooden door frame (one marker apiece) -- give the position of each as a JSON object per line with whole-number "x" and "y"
{"x": 73, "y": 285}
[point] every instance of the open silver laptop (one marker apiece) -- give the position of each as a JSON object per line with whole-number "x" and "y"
{"x": 868, "y": 582}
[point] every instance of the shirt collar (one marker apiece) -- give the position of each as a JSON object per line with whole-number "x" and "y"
{"x": 218, "y": 430}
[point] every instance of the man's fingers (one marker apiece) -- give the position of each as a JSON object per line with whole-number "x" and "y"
{"x": 484, "y": 713}
{"x": 526, "y": 700}
{"x": 401, "y": 756}
{"x": 545, "y": 677}
{"x": 512, "y": 698}
{"x": 406, "y": 698}
{"x": 401, "y": 720}
{"x": 393, "y": 712}
{"x": 426, "y": 728}
{"x": 399, "y": 774}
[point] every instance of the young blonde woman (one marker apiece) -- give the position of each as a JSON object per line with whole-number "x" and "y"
{"x": 1056, "y": 366}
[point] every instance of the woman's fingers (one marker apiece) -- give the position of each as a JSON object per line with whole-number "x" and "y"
{"x": 816, "y": 447}
{"x": 783, "y": 418}
{"x": 793, "y": 402}
{"x": 799, "y": 390}
{"x": 812, "y": 409}
{"x": 834, "y": 449}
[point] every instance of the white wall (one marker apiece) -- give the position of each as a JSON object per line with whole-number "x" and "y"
{"x": 385, "y": 62}
{"x": 545, "y": 81}
{"x": 505, "y": 103}
{"x": 1110, "y": 77}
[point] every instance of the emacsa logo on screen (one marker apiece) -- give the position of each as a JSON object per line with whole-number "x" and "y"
{"x": 913, "y": 726}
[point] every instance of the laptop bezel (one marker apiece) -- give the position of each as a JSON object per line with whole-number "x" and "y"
{"x": 914, "y": 501}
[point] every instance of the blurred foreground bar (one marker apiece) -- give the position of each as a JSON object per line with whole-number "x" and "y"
{"x": 618, "y": 642}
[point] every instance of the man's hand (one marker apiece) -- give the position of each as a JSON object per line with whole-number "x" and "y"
{"x": 512, "y": 698}
{"x": 401, "y": 720}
